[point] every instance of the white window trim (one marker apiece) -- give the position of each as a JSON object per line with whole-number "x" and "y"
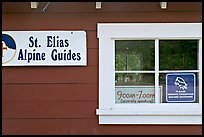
{"x": 157, "y": 113}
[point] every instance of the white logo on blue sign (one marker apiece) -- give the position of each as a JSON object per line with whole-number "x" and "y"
{"x": 180, "y": 87}
{"x": 181, "y": 83}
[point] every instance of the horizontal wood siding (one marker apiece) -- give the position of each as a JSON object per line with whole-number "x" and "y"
{"x": 63, "y": 100}
{"x": 49, "y": 92}
{"x": 90, "y": 127}
{"x": 50, "y": 75}
{"x": 49, "y": 109}
{"x": 73, "y": 21}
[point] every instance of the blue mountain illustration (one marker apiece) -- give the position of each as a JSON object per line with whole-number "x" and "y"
{"x": 9, "y": 41}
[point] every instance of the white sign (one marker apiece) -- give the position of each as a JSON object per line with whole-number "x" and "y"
{"x": 44, "y": 48}
{"x": 135, "y": 94}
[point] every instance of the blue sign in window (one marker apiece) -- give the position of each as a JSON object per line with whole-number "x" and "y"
{"x": 180, "y": 87}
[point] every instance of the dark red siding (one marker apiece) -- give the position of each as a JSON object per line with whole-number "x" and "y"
{"x": 63, "y": 100}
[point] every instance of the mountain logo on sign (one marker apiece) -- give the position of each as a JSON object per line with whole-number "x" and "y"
{"x": 181, "y": 83}
{"x": 8, "y": 48}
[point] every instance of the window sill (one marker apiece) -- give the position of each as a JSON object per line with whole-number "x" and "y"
{"x": 132, "y": 116}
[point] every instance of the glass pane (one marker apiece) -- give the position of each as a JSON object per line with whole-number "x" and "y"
{"x": 134, "y": 88}
{"x": 178, "y": 54}
{"x": 179, "y": 87}
{"x": 134, "y": 55}
{"x": 124, "y": 79}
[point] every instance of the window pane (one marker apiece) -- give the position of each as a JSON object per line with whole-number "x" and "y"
{"x": 179, "y": 87}
{"x": 178, "y": 54}
{"x": 122, "y": 79}
{"x": 134, "y": 88}
{"x": 134, "y": 55}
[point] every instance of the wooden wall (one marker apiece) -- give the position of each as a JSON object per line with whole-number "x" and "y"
{"x": 63, "y": 100}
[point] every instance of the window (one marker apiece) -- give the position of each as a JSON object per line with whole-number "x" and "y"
{"x": 150, "y": 73}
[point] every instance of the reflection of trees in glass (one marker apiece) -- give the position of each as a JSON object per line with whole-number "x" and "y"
{"x": 178, "y": 54}
{"x": 134, "y": 79}
{"x": 134, "y": 55}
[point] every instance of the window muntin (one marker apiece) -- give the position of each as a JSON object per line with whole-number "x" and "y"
{"x": 182, "y": 57}
{"x": 144, "y": 113}
{"x": 133, "y": 55}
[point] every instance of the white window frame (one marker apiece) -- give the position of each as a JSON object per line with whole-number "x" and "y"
{"x": 157, "y": 113}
